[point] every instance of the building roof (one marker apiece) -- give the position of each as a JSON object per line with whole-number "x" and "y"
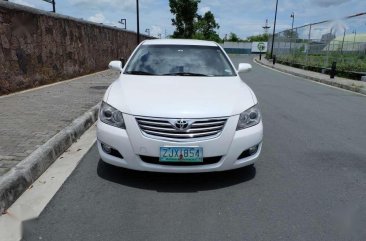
{"x": 351, "y": 43}
{"x": 360, "y": 37}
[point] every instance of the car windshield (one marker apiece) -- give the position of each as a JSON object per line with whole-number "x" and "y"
{"x": 180, "y": 60}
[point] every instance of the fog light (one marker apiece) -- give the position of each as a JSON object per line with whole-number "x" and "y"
{"x": 107, "y": 149}
{"x": 249, "y": 152}
{"x": 110, "y": 151}
{"x": 253, "y": 150}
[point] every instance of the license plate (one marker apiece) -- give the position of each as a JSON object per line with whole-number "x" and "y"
{"x": 181, "y": 154}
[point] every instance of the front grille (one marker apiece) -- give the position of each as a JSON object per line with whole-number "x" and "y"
{"x": 156, "y": 160}
{"x": 195, "y": 129}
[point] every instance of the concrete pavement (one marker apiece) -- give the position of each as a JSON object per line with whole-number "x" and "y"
{"x": 309, "y": 183}
{"x": 32, "y": 202}
{"x": 29, "y": 119}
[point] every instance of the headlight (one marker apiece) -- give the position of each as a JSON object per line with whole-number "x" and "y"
{"x": 249, "y": 118}
{"x": 111, "y": 116}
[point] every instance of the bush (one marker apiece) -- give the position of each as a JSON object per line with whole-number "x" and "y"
{"x": 347, "y": 64}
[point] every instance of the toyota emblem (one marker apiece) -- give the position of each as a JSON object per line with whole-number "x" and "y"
{"x": 181, "y": 125}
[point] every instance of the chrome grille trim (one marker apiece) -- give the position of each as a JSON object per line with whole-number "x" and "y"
{"x": 142, "y": 121}
{"x": 211, "y": 124}
{"x": 198, "y": 129}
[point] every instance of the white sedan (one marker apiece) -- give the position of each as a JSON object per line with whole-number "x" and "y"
{"x": 179, "y": 106}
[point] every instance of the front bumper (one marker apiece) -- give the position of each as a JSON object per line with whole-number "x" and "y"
{"x": 132, "y": 144}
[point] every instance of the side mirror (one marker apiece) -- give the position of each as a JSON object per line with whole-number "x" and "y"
{"x": 115, "y": 65}
{"x": 243, "y": 68}
{"x": 123, "y": 62}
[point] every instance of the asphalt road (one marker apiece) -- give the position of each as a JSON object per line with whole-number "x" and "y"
{"x": 309, "y": 184}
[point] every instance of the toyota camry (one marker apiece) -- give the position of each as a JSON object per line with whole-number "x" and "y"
{"x": 179, "y": 106}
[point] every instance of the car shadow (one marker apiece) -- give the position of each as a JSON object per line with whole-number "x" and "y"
{"x": 174, "y": 182}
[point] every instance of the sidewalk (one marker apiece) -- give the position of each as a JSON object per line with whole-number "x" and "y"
{"x": 348, "y": 84}
{"x": 29, "y": 119}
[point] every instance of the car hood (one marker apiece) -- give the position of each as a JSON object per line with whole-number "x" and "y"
{"x": 180, "y": 96}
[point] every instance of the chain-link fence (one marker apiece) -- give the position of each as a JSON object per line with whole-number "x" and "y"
{"x": 316, "y": 46}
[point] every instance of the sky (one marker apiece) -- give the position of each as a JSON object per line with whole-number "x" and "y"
{"x": 243, "y": 17}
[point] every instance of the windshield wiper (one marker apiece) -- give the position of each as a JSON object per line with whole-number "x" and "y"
{"x": 138, "y": 72}
{"x": 186, "y": 74}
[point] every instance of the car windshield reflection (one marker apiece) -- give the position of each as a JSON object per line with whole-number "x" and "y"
{"x": 179, "y": 60}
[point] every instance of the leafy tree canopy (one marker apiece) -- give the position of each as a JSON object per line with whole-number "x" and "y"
{"x": 233, "y": 38}
{"x": 206, "y": 27}
{"x": 290, "y": 34}
{"x": 255, "y": 38}
{"x": 258, "y": 38}
{"x": 189, "y": 24}
{"x": 185, "y": 12}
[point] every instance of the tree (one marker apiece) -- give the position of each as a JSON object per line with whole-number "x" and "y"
{"x": 258, "y": 38}
{"x": 189, "y": 24}
{"x": 206, "y": 27}
{"x": 233, "y": 38}
{"x": 289, "y": 34}
{"x": 185, "y": 12}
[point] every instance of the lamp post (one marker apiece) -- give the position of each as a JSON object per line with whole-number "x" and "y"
{"x": 123, "y": 21}
{"x": 274, "y": 29}
{"x": 53, "y": 2}
{"x": 138, "y": 21}
{"x": 292, "y": 29}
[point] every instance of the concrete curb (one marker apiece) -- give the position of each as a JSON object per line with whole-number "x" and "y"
{"x": 323, "y": 81}
{"x": 19, "y": 178}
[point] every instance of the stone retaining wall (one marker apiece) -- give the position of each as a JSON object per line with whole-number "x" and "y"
{"x": 38, "y": 47}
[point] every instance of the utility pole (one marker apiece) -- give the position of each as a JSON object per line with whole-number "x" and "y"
{"x": 138, "y": 21}
{"x": 266, "y": 27}
{"x": 274, "y": 29}
{"x": 292, "y": 29}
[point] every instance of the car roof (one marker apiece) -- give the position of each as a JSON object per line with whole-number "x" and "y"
{"x": 179, "y": 42}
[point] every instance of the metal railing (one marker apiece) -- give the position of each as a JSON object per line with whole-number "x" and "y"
{"x": 317, "y": 46}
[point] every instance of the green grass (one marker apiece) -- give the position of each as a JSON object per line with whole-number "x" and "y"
{"x": 345, "y": 62}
